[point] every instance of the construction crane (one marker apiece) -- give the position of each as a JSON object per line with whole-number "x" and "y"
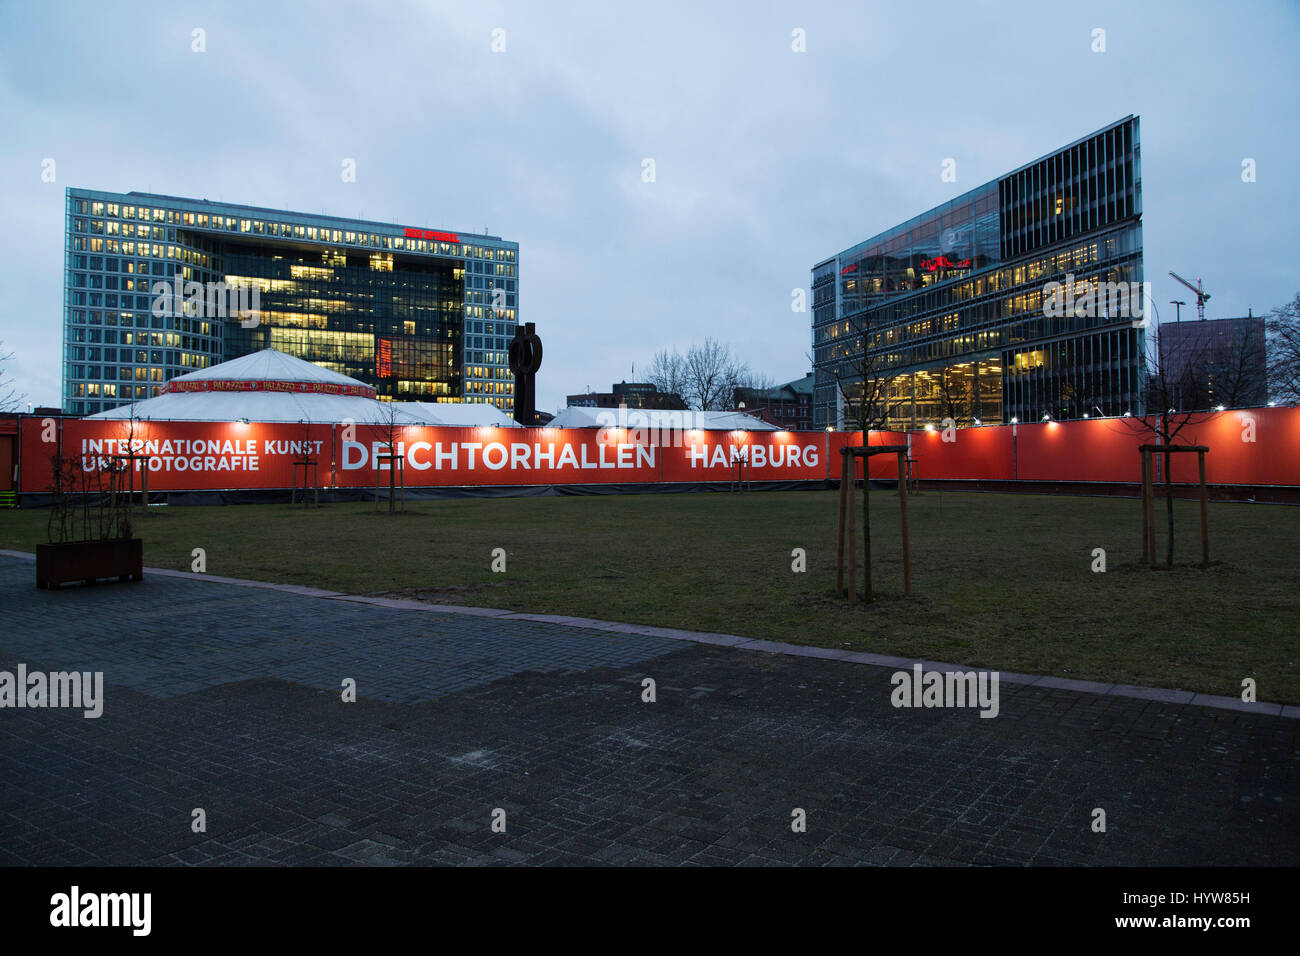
{"x": 1201, "y": 295}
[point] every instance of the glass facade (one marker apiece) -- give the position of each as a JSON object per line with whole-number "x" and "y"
{"x": 953, "y": 306}
{"x": 388, "y": 320}
{"x": 421, "y": 315}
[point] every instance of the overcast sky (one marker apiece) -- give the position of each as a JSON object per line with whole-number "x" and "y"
{"x": 766, "y": 159}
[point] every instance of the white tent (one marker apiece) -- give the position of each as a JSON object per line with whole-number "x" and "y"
{"x": 268, "y": 365}
{"x": 271, "y": 386}
{"x": 658, "y": 419}
{"x": 455, "y": 413}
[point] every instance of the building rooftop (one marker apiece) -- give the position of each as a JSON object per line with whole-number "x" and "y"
{"x": 261, "y": 211}
{"x": 787, "y": 392}
{"x": 966, "y": 197}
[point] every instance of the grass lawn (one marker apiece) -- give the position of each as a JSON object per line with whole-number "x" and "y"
{"x": 1001, "y": 581}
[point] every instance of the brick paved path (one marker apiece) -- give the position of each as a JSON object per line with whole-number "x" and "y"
{"x": 228, "y": 698}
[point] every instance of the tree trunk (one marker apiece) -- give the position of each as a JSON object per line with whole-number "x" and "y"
{"x": 866, "y": 521}
{"x": 1167, "y": 438}
{"x": 1169, "y": 511}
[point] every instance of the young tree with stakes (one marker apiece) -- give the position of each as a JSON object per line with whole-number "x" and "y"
{"x": 390, "y": 431}
{"x": 1174, "y": 400}
{"x": 870, "y": 373}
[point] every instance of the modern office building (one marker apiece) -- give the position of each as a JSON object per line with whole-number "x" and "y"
{"x": 420, "y": 314}
{"x": 956, "y": 307}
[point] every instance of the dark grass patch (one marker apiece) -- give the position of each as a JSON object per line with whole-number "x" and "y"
{"x": 998, "y": 581}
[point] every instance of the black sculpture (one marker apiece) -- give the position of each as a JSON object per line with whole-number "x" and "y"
{"x": 525, "y": 360}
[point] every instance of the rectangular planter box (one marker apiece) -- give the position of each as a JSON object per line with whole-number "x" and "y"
{"x": 89, "y": 561}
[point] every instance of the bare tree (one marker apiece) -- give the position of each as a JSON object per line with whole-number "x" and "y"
{"x": 711, "y": 374}
{"x": 1283, "y": 335}
{"x": 955, "y": 398}
{"x": 706, "y": 377}
{"x": 391, "y": 425}
{"x": 865, "y": 377}
{"x": 668, "y": 373}
{"x": 10, "y": 397}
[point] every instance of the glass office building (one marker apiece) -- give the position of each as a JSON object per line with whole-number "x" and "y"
{"x": 421, "y": 314}
{"x": 955, "y": 307}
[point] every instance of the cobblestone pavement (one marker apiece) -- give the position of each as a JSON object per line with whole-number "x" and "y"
{"x": 227, "y": 698}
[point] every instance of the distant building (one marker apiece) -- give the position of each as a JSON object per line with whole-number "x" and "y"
{"x": 787, "y": 406}
{"x": 1216, "y": 361}
{"x": 418, "y": 314}
{"x": 959, "y": 309}
{"x": 631, "y": 394}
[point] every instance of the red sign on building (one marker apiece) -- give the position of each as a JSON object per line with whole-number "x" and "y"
{"x": 432, "y": 234}
{"x": 943, "y": 262}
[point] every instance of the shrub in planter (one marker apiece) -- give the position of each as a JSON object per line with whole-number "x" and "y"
{"x": 90, "y": 529}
